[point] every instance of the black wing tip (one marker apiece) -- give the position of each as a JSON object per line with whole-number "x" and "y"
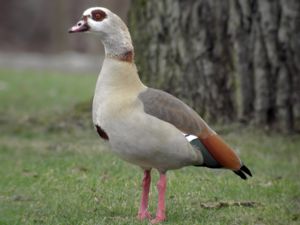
{"x": 242, "y": 172}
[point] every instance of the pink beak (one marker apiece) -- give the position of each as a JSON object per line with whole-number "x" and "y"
{"x": 81, "y": 26}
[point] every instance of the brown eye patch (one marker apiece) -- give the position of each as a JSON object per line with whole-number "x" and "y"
{"x": 98, "y": 15}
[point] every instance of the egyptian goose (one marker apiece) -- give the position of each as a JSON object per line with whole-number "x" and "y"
{"x": 144, "y": 126}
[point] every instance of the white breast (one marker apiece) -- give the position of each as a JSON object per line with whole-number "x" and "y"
{"x": 117, "y": 86}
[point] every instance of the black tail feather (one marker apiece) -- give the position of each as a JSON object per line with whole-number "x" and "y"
{"x": 242, "y": 172}
{"x": 246, "y": 170}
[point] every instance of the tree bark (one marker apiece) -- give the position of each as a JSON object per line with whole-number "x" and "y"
{"x": 229, "y": 59}
{"x": 241, "y": 29}
{"x": 180, "y": 49}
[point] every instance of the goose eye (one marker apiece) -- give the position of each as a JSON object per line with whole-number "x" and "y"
{"x": 98, "y": 15}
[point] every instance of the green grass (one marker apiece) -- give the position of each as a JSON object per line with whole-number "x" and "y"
{"x": 39, "y": 92}
{"x": 55, "y": 170}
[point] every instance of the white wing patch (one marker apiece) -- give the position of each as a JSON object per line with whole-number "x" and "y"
{"x": 190, "y": 137}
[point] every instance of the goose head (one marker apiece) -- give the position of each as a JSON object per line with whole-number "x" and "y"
{"x": 109, "y": 27}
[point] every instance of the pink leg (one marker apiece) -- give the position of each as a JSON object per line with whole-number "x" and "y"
{"x": 143, "y": 211}
{"x": 161, "y": 208}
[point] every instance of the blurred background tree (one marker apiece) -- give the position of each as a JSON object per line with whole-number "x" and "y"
{"x": 230, "y": 59}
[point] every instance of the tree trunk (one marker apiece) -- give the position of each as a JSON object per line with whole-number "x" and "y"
{"x": 229, "y": 59}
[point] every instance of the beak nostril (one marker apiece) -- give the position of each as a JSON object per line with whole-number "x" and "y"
{"x": 81, "y": 26}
